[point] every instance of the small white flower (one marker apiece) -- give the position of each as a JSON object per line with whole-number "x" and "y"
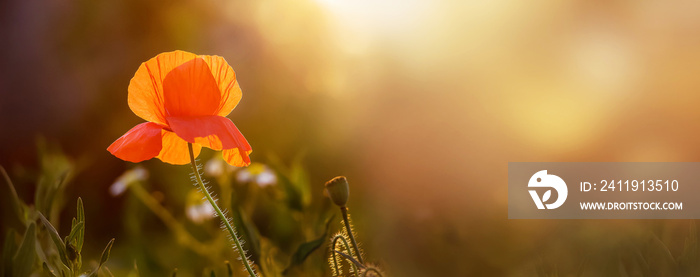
{"x": 217, "y": 167}
{"x": 214, "y": 167}
{"x": 266, "y": 178}
{"x": 133, "y": 175}
{"x": 257, "y": 173}
{"x": 197, "y": 208}
{"x": 117, "y": 188}
{"x": 244, "y": 176}
{"x": 200, "y": 213}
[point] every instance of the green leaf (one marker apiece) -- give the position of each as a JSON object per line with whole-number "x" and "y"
{"x": 105, "y": 253}
{"x": 74, "y": 233}
{"x": 248, "y": 232}
{"x": 230, "y": 270}
{"x": 47, "y": 270}
{"x": 81, "y": 217}
{"x": 293, "y": 194}
{"x": 56, "y": 238}
{"x": 23, "y": 262}
{"x": 8, "y": 252}
{"x": 305, "y": 249}
{"x": 72, "y": 253}
{"x": 300, "y": 179}
{"x": 47, "y": 190}
{"x": 105, "y": 257}
{"x": 274, "y": 259}
{"x": 56, "y": 171}
{"x": 64, "y": 270}
{"x": 17, "y": 204}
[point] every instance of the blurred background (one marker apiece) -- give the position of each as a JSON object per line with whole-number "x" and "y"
{"x": 421, "y": 104}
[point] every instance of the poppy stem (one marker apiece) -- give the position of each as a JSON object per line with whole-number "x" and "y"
{"x": 221, "y": 215}
{"x": 346, "y": 220}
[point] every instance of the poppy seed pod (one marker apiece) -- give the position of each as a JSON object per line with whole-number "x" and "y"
{"x": 338, "y": 190}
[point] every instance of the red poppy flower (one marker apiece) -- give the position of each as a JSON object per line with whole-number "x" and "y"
{"x": 185, "y": 98}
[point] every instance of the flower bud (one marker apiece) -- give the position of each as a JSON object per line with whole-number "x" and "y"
{"x": 338, "y": 190}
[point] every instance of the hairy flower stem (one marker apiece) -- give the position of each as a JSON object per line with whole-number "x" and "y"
{"x": 344, "y": 211}
{"x": 223, "y": 218}
{"x": 372, "y": 269}
{"x": 335, "y": 263}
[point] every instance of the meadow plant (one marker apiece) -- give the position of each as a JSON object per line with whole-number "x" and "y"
{"x": 338, "y": 190}
{"x": 34, "y": 254}
{"x": 185, "y": 98}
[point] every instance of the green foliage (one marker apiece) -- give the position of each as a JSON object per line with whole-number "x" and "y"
{"x": 43, "y": 250}
{"x": 294, "y": 181}
{"x": 56, "y": 172}
{"x": 283, "y": 225}
{"x": 47, "y": 270}
{"x": 8, "y": 251}
{"x": 339, "y": 243}
{"x": 248, "y": 233}
{"x": 81, "y": 233}
{"x": 24, "y": 260}
{"x": 338, "y": 190}
{"x": 68, "y": 251}
{"x": 105, "y": 253}
{"x": 56, "y": 238}
{"x": 229, "y": 270}
{"x": 75, "y": 231}
{"x": 17, "y": 206}
{"x": 280, "y": 222}
{"x": 305, "y": 249}
{"x": 104, "y": 257}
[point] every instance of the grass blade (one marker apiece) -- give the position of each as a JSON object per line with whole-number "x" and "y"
{"x": 56, "y": 239}
{"x": 230, "y": 270}
{"x": 8, "y": 251}
{"x": 105, "y": 257}
{"x": 74, "y": 233}
{"x": 105, "y": 253}
{"x": 23, "y": 262}
{"x": 81, "y": 217}
{"x": 47, "y": 270}
{"x": 17, "y": 204}
{"x": 305, "y": 249}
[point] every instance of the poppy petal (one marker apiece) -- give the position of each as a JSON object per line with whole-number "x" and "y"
{"x": 141, "y": 143}
{"x": 228, "y": 85}
{"x": 146, "y": 97}
{"x": 215, "y": 132}
{"x": 190, "y": 90}
{"x": 175, "y": 150}
{"x": 235, "y": 158}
